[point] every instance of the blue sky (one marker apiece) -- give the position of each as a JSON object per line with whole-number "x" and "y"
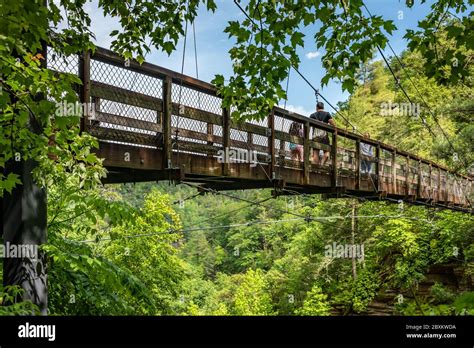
{"x": 213, "y": 45}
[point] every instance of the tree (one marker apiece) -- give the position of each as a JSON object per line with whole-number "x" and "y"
{"x": 449, "y": 64}
{"x": 147, "y": 248}
{"x": 252, "y": 297}
{"x": 315, "y": 303}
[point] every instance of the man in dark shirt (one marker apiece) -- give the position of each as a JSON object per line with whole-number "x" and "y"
{"x": 319, "y": 135}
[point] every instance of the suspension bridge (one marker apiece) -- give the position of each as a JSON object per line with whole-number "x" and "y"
{"x": 156, "y": 124}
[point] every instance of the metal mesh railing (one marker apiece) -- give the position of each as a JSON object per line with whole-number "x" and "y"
{"x": 61, "y": 63}
{"x": 127, "y": 105}
{"x": 195, "y": 121}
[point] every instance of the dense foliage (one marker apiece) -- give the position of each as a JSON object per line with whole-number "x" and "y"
{"x": 215, "y": 256}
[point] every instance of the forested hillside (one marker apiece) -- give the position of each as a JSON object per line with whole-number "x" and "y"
{"x": 158, "y": 253}
{"x": 437, "y": 108}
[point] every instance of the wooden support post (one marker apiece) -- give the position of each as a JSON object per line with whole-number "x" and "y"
{"x": 334, "y": 160}
{"x": 225, "y": 137}
{"x": 271, "y": 144}
{"x": 159, "y": 122}
{"x": 281, "y": 154}
{"x": 167, "y": 112}
{"x": 419, "y": 181}
{"x": 377, "y": 167}
{"x": 407, "y": 176}
{"x": 250, "y": 146}
{"x": 306, "y": 153}
{"x": 97, "y": 101}
{"x": 250, "y": 140}
{"x": 446, "y": 182}
{"x": 85, "y": 89}
{"x": 448, "y": 188}
{"x": 430, "y": 183}
{"x": 394, "y": 172}
{"x": 357, "y": 165}
{"x": 210, "y": 134}
{"x": 438, "y": 198}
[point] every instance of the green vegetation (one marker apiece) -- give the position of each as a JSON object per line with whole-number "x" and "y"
{"x": 160, "y": 258}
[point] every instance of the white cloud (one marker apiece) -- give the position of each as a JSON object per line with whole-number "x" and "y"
{"x": 298, "y": 109}
{"x": 312, "y": 55}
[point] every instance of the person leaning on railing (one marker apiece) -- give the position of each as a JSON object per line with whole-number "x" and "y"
{"x": 296, "y": 129}
{"x": 319, "y": 135}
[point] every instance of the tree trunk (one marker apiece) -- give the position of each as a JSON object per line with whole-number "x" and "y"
{"x": 24, "y": 226}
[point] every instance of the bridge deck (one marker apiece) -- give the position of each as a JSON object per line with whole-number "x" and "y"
{"x": 156, "y": 124}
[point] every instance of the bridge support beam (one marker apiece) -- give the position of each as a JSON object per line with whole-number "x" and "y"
{"x": 407, "y": 176}
{"x": 357, "y": 165}
{"x": 419, "y": 178}
{"x": 306, "y": 153}
{"x": 334, "y": 159}
{"x": 377, "y": 168}
{"x": 225, "y": 137}
{"x": 85, "y": 90}
{"x": 271, "y": 144}
{"x": 438, "y": 184}
{"x": 167, "y": 111}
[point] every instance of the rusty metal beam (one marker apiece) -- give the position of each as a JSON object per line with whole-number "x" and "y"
{"x": 167, "y": 113}
{"x": 85, "y": 90}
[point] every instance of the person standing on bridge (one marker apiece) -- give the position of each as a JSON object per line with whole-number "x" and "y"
{"x": 296, "y": 150}
{"x": 367, "y": 151}
{"x": 319, "y": 135}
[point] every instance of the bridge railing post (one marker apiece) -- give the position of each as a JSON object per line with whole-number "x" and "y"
{"x": 306, "y": 153}
{"x": 394, "y": 172}
{"x": 167, "y": 112}
{"x": 271, "y": 144}
{"x": 210, "y": 135}
{"x": 226, "y": 121}
{"x": 334, "y": 159}
{"x": 443, "y": 185}
{"x": 438, "y": 198}
{"x": 357, "y": 165}
{"x": 407, "y": 176}
{"x": 448, "y": 186}
{"x": 84, "y": 70}
{"x": 430, "y": 168}
{"x": 419, "y": 180}
{"x": 377, "y": 168}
